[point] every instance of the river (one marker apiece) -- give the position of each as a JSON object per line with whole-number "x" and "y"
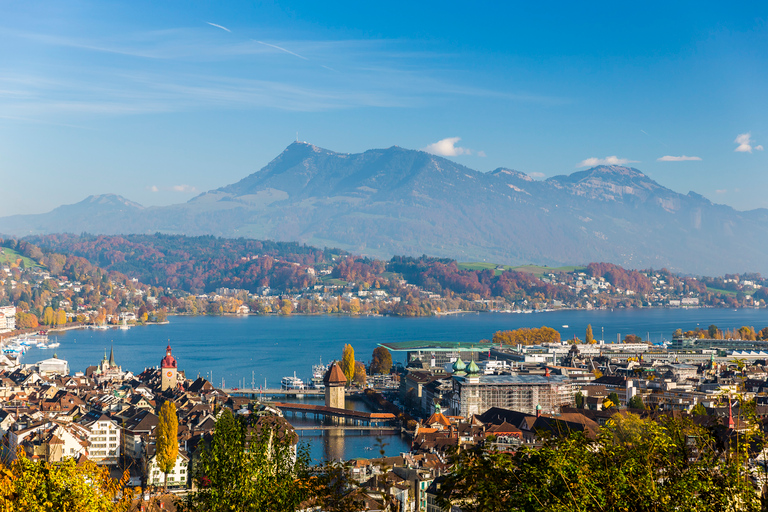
{"x": 238, "y": 350}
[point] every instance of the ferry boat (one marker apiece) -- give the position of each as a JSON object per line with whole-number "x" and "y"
{"x": 291, "y": 383}
{"x": 318, "y": 372}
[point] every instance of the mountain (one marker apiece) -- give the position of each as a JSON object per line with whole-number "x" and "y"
{"x": 398, "y": 201}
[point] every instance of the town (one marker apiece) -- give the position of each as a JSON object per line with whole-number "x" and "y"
{"x": 444, "y": 397}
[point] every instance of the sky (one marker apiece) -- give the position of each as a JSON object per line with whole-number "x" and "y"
{"x": 160, "y": 101}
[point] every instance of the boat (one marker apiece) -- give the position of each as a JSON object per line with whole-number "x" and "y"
{"x": 318, "y": 373}
{"x": 291, "y": 383}
{"x": 54, "y": 344}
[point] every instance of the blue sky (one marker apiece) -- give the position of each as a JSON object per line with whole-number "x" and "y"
{"x": 158, "y": 101}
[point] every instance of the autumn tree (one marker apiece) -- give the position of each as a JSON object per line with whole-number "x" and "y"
{"x": 381, "y": 362}
{"x": 360, "y": 376}
{"x": 632, "y": 338}
{"x": 588, "y": 337}
{"x": 38, "y": 486}
{"x": 167, "y": 443}
{"x": 61, "y": 317}
{"x": 348, "y": 362}
{"x": 48, "y": 316}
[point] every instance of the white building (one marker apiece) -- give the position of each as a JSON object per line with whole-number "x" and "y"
{"x": 7, "y": 318}
{"x": 103, "y": 436}
{"x": 178, "y": 477}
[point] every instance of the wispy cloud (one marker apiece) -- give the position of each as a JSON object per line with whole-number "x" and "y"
{"x": 609, "y": 160}
{"x": 448, "y": 147}
{"x": 282, "y": 49}
{"x": 153, "y": 188}
{"x": 744, "y": 141}
{"x": 186, "y": 189}
{"x": 537, "y": 175}
{"x": 683, "y": 158}
{"x": 218, "y": 26}
{"x": 721, "y": 191}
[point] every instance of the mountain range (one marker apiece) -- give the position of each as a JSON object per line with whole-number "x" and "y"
{"x": 398, "y": 201}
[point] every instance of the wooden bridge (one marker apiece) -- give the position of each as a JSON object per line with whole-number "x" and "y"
{"x": 253, "y": 393}
{"x": 348, "y": 428}
{"x": 343, "y": 416}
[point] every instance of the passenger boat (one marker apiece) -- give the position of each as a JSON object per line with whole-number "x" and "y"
{"x": 291, "y": 383}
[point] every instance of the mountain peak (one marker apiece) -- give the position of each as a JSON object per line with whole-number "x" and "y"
{"x": 503, "y": 172}
{"x": 108, "y": 200}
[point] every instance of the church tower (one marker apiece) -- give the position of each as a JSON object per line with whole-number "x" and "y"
{"x": 168, "y": 369}
{"x": 335, "y": 382}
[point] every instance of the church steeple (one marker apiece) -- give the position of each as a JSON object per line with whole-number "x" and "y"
{"x": 112, "y": 356}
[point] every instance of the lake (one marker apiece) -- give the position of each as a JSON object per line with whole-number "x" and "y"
{"x": 237, "y": 350}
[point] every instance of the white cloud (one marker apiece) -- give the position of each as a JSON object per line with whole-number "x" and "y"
{"x": 537, "y": 175}
{"x": 183, "y": 188}
{"x": 448, "y": 147}
{"x": 218, "y": 26}
{"x": 683, "y": 158}
{"x": 744, "y": 141}
{"x": 153, "y": 188}
{"x": 482, "y": 154}
{"x": 721, "y": 191}
{"x": 609, "y": 160}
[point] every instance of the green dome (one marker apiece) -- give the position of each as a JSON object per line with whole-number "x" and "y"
{"x": 459, "y": 366}
{"x": 472, "y": 368}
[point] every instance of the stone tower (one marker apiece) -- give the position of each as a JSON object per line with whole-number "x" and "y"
{"x": 168, "y": 369}
{"x": 335, "y": 382}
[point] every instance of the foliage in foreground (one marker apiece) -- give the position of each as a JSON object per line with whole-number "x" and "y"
{"x": 634, "y": 465}
{"x": 28, "y": 486}
{"x": 251, "y": 469}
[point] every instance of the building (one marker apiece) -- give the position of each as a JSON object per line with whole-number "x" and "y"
{"x": 335, "y": 382}
{"x": 177, "y": 478}
{"x": 7, "y": 318}
{"x": 169, "y": 370}
{"x": 108, "y": 370}
{"x": 103, "y": 436}
{"x": 474, "y": 393}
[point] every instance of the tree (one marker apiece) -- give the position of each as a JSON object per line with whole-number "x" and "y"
{"x": 635, "y": 464}
{"x": 699, "y": 409}
{"x": 636, "y": 402}
{"x": 248, "y": 467}
{"x": 579, "y": 400}
{"x": 167, "y": 443}
{"x": 712, "y": 332}
{"x": 613, "y": 397}
{"x": 37, "y": 486}
{"x": 588, "y": 336}
{"x": 381, "y": 362}
{"x": 632, "y": 338}
{"x": 348, "y": 362}
{"x": 48, "y": 316}
{"x": 61, "y": 317}
{"x": 360, "y": 376}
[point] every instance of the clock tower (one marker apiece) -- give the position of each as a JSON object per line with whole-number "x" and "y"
{"x": 168, "y": 369}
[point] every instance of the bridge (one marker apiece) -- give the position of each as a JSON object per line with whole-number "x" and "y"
{"x": 344, "y": 416}
{"x": 253, "y": 393}
{"x": 347, "y": 428}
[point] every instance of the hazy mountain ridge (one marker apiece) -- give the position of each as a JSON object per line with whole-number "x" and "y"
{"x": 398, "y": 201}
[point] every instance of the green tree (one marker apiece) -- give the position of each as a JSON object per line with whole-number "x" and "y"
{"x": 167, "y": 443}
{"x": 633, "y": 465}
{"x": 38, "y": 486}
{"x": 588, "y": 337}
{"x": 699, "y": 409}
{"x": 636, "y": 402}
{"x": 614, "y": 397}
{"x": 348, "y": 362}
{"x": 712, "y": 332}
{"x": 579, "y": 400}
{"x": 381, "y": 361}
{"x": 250, "y": 469}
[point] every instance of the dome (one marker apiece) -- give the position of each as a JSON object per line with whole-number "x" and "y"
{"x": 168, "y": 361}
{"x": 473, "y": 368}
{"x": 459, "y": 366}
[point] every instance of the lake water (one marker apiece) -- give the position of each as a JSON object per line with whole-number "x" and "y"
{"x": 267, "y": 348}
